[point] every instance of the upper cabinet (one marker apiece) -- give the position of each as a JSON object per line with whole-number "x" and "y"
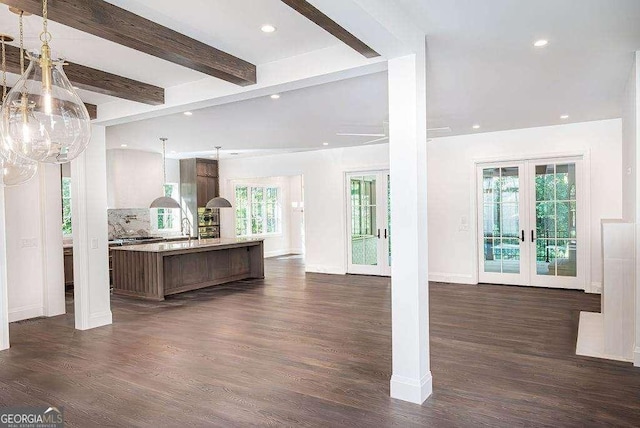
{"x": 199, "y": 183}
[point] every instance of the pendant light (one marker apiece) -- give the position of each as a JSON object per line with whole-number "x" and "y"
{"x": 13, "y": 170}
{"x": 43, "y": 118}
{"x": 218, "y": 202}
{"x": 164, "y": 201}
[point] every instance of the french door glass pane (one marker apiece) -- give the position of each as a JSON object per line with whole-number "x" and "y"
{"x": 501, "y": 219}
{"x": 364, "y": 241}
{"x": 556, "y": 226}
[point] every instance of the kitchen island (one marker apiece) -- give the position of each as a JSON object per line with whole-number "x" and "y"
{"x": 153, "y": 271}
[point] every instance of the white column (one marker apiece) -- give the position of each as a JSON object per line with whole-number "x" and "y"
{"x": 411, "y": 379}
{"x": 635, "y": 129}
{"x": 4, "y": 300}
{"x": 90, "y": 234}
{"x": 51, "y": 242}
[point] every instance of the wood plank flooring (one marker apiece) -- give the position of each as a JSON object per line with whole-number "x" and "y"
{"x": 315, "y": 350}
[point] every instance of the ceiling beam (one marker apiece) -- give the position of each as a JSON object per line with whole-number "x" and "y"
{"x": 118, "y": 25}
{"x": 312, "y": 13}
{"x": 98, "y": 81}
{"x": 91, "y": 108}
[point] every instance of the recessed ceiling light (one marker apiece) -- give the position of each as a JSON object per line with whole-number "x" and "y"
{"x": 234, "y": 154}
{"x": 267, "y": 28}
{"x": 564, "y": 117}
{"x": 476, "y": 126}
{"x": 123, "y": 145}
{"x": 325, "y": 144}
{"x": 541, "y": 43}
{"x": 275, "y": 96}
{"x": 188, "y": 113}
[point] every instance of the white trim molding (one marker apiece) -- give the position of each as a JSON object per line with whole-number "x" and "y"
{"x": 636, "y": 357}
{"x": 452, "y": 278}
{"x": 411, "y": 390}
{"x": 330, "y": 270}
{"x": 26, "y": 312}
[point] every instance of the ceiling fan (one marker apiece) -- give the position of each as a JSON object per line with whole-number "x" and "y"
{"x": 379, "y": 137}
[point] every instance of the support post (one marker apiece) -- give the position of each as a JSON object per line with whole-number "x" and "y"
{"x": 90, "y": 234}
{"x": 4, "y": 295}
{"x": 411, "y": 380}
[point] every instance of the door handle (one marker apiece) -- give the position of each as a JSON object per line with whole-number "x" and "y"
{"x": 385, "y": 234}
{"x": 522, "y": 236}
{"x": 533, "y": 237}
{"x": 378, "y": 233}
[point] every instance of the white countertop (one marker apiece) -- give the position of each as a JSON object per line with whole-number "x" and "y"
{"x": 162, "y": 247}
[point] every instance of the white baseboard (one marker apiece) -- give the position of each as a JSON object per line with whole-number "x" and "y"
{"x": 332, "y": 270}
{"x": 280, "y": 253}
{"x": 636, "y": 357}
{"x": 452, "y": 278}
{"x": 25, "y": 313}
{"x": 411, "y": 390}
{"x": 98, "y": 320}
{"x": 596, "y": 288}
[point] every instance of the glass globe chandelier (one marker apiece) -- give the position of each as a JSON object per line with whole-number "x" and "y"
{"x": 43, "y": 118}
{"x": 13, "y": 170}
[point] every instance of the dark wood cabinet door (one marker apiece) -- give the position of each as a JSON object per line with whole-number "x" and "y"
{"x": 202, "y": 184}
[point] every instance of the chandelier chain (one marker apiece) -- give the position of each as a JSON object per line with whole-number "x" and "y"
{"x": 45, "y": 36}
{"x": 21, "y": 43}
{"x": 4, "y": 70}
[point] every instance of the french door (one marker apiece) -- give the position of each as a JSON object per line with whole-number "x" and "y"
{"x": 368, "y": 220}
{"x": 531, "y": 223}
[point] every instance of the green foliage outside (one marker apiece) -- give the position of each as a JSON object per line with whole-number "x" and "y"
{"x": 66, "y": 206}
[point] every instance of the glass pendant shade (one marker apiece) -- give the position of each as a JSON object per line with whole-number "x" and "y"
{"x": 15, "y": 170}
{"x": 43, "y": 118}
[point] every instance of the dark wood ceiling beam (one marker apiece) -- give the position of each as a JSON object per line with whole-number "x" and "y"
{"x": 91, "y": 108}
{"x": 310, "y": 12}
{"x": 118, "y": 25}
{"x": 99, "y": 81}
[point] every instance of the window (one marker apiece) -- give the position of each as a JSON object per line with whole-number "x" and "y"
{"x": 257, "y": 210}
{"x": 66, "y": 206}
{"x": 167, "y": 219}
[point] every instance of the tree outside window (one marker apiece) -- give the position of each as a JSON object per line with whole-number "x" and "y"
{"x": 168, "y": 219}
{"x": 66, "y": 206}
{"x": 258, "y": 210}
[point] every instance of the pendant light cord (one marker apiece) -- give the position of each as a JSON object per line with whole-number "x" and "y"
{"x": 164, "y": 161}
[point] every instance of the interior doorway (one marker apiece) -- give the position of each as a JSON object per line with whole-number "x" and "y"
{"x": 368, "y": 222}
{"x": 531, "y": 223}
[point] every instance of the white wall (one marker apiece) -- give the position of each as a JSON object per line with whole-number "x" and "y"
{"x": 324, "y": 194}
{"x": 281, "y": 243}
{"x": 35, "y": 269}
{"x": 135, "y": 178}
{"x": 451, "y": 188}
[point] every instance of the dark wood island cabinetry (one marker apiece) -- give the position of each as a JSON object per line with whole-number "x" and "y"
{"x": 153, "y": 271}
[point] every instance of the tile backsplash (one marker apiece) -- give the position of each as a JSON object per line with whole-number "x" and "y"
{"x": 129, "y": 223}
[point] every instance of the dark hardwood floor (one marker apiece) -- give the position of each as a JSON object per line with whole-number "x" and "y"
{"x": 315, "y": 350}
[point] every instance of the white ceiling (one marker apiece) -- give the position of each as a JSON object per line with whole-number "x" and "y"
{"x": 483, "y": 69}
{"x": 230, "y": 25}
{"x": 303, "y": 119}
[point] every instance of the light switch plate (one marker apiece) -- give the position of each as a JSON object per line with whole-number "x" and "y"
{"x": 94, "y": 243}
